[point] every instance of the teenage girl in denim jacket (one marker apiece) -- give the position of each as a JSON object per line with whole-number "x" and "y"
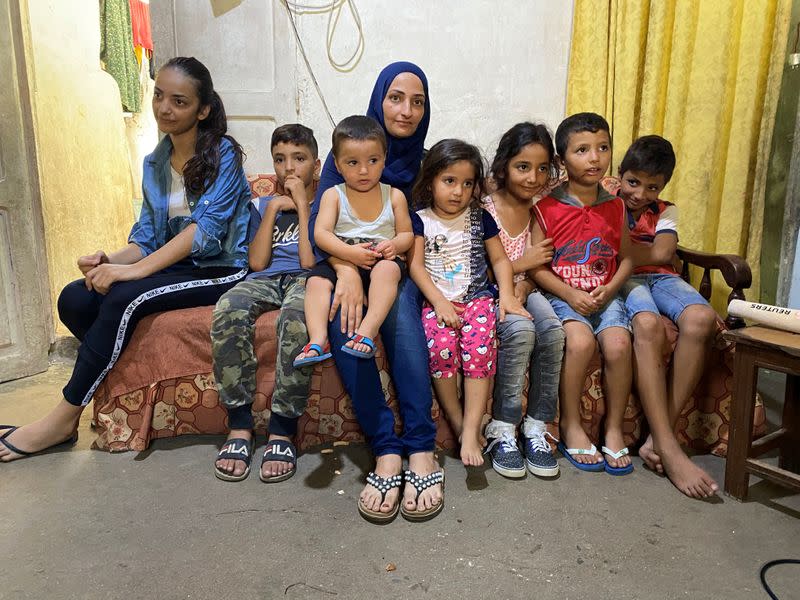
{"x": 187, "y": 248}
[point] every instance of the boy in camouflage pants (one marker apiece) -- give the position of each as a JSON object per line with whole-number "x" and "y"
{"x": 280, "y": 255}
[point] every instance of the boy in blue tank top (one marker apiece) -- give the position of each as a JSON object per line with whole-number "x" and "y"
{"x": 280, "y": 255}
{"x": 361, "y": 222}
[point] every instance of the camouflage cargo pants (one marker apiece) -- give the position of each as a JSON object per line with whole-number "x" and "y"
{"x": 232, "y": 336}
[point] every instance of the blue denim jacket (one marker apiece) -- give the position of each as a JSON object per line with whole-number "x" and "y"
{"x": 221, "y": 213}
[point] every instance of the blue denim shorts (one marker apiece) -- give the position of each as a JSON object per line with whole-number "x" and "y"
{"x": 660, "y": 293}
{"x": 613, "y": 315}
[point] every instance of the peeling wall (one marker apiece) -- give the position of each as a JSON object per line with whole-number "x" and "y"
{"x": 84, "y": 172}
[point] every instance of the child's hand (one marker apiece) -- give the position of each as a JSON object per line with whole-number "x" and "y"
{"x": 387, "y": 249}
{"x": 282, "y": 203}
{"x": 89, "y": 262}
{"x": 601, "y": 295}
{"x": 583, "y": 302}
{"x": 295, "y": 189}
{"x": 448, "y": 314}
{"x": 102, "y": 277}
{"x": 540, "y": 253}
{"x": 362, "y": 255}
{"x": 510, "y": 305}
{"x": 523, "y": 289}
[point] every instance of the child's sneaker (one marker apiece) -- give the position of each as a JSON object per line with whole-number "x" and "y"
{"x": 539, "y": 456}
{"x": 506, "y": 457}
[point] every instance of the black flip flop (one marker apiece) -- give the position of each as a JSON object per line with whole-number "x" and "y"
{"x": 12, "y": 428}
{"x": 279, "y": 451}
{"x": 235, "y": 449}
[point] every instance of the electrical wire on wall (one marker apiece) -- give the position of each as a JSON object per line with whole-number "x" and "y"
{"x": 334, "y": 11}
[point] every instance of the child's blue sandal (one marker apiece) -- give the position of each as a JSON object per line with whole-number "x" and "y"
{"x": 357, "y": 338}
{"x": 616, "y": 456}
{"x": 383, "y": 485}
{"x": 279, "y": 451}
{"x": 570, "y": 452}
{"x": 235, "y": 449}
{"x": 322, "y": 354}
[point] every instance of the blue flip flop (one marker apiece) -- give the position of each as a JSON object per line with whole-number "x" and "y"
{"x": 322, "y": 354}
{"x": 616, "y": 456}
{"x": 360, "y": 339}
{"x": 570, "y": 452}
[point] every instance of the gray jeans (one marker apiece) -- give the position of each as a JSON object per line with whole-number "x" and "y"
{"x": 537, "y": 347}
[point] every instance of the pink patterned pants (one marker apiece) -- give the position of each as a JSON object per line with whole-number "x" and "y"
{"x": 470, "y": 347}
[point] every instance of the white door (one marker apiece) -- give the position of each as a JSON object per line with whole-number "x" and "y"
{"x": 25, "y": 321}
{"x": 249, "y": 51}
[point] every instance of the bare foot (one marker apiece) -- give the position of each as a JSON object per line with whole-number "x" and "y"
{"x": 687, "y": 476}
{"x": 650, "y": 457}
{"x": 232, "y": 466}
{"x": 273, "y": 468}
{"x": 311, "y": 351}
{"x": 614, "y": 441}
{"x": 362, "y": 347}
{"x": 51, "y": 430}
{"x": 575, "y": 437}
{"x": 471, "y": 449}
{"x": 422, "y": 463}
{"x": 385, "y": 466}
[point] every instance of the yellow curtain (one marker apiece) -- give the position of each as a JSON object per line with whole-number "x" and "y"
{"x": 705, "y": 74}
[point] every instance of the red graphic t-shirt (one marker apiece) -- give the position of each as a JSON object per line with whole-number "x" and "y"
{"x": 586, "y": 239}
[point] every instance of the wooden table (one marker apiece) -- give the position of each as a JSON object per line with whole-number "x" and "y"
{"x": 761, "y": 347}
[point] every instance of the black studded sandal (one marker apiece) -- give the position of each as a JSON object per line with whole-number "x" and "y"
{"x": 421, "y": 484}
{"x": 383, "y": 485}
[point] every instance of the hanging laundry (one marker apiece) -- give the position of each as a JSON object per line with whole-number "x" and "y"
{"x": 142, "y": 33}
{"x": 117, "y": 53}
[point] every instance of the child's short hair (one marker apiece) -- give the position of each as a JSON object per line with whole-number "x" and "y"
{"x": 512, "y": 143}
{"x": 294, "y": 133}
{"x": 443, "y": 154}
{"x": 360, "y": 128}
{"x": 651, "y": 154}
{"x": 577, "y": 123}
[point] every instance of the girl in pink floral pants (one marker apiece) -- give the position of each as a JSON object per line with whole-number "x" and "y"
{"x": 454, "y": 242}
{"x": 470, "y": 347}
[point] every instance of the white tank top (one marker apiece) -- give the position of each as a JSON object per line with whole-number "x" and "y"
{"x": 351, "y": 228}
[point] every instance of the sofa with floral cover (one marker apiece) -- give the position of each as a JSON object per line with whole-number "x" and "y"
{"x": 162, "y": 386}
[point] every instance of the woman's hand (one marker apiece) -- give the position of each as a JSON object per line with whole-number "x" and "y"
{"x": 349, "y": 297}
{"x": 523, "y": 289}
{"x": 89, "y": 262}
{"x": 510, "y": 305}
{"x": 447, "y": 313}
{"x": 102, "y": 277}
{"x": 582, "y": 302}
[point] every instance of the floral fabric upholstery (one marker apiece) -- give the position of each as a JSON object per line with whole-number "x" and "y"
{"x": 162, "y": 386}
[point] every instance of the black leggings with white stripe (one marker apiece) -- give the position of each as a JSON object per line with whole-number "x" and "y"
{"x": 104, "y": 324}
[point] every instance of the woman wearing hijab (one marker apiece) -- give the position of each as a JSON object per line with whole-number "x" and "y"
{"x": 400, "y": 103}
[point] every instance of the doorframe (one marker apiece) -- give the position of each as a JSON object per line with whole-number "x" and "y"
{"x": 23, "y": 62}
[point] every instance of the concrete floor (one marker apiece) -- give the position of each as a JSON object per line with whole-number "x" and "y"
{"x": 86, "y": 524}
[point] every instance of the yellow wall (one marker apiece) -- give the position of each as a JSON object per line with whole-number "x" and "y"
{"x": 84, "y": 172}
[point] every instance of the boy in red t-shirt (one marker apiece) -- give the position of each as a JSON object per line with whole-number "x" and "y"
{"x": 590, "y": 263}
{"x": 654, "y": 288}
